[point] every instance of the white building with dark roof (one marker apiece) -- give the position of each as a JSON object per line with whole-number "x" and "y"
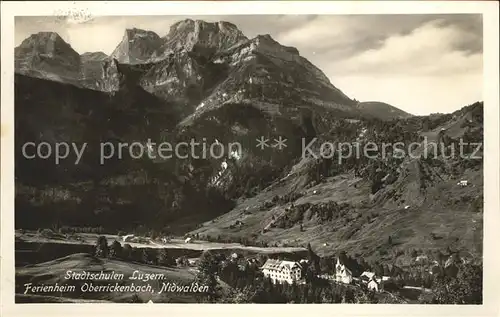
{"x": 367, "y": 276}
{"x": 373, "y": 285}
{"x": 282, "y": 271}
{"x": 342, "y": 273}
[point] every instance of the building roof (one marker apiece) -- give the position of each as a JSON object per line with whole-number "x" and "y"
{"x": 369, "y": 275}
{"x": 272, "y": 264}
{"x": 373, "y": 282}
{"x": 343, "y": 267}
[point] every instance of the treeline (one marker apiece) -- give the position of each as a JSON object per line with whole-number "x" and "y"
{"x": 142, "y": 255}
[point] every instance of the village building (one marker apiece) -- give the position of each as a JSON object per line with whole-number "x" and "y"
{"x": 342, "y": 273}
{"x": 385, "y": 278}
{"x": 188, "y": 240}
{"x": 373, "y": 285}
{"x": 282, "y": 271}
{"x": 366, "y": 276}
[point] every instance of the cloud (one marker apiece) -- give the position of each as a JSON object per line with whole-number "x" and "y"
{"x": 419, "y": 63}
{"x": 431, "y": 49}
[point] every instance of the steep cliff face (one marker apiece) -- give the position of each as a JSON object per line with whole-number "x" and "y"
{"x": 209, "y": 64}
{"x": 272, "y": 76}
{"x": 91, "y": 72}
{"x": 187, "y": 35}
{"x": 47, "y": 55}
{"x": 198, "y": 65}
{"x": 137, "y": 46}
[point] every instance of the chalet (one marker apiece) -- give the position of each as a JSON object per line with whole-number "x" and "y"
{"x": 366, "y": 277}
{"x": 342, "y": 273}
{"x": 462, "y": 183}
{"x": 282, "y": 271}
{"x": 188, "y": 240}
{"x": 239, "y": 223}
{"x": 373, "y": 285}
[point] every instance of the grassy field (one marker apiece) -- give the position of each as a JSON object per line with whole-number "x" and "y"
{"x": 199, "y": 245}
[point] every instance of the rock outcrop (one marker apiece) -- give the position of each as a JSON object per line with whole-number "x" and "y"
{"x": 137, "y": 46}
{"x": 46, "y": 54}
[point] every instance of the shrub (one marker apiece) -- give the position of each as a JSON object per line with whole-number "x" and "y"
{"x": 101, "y": 247}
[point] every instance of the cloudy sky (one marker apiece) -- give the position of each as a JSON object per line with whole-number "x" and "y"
{"x": 419, "y": 63}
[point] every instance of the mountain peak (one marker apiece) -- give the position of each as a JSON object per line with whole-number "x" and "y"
{"x": 188, "y": 33}
{"x": 47, "y": 45}
{"x": 46, "y": 35}
{"x": 269, "y": 41}
{"x": 382, "y": 110}
{"x": 137, "y": 33}
{"x": 45, "y": 42}
{"x": 137, "y": 46}
{"x": 94, "y": 56}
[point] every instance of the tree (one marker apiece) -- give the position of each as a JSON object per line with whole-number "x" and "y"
{"x": 164, "y": 259}
{"x": 145, "y": 256}
{"x": 116, "y": 250}
{"x": 414, "y": 253}
{"x": 313, "y": 260}
{"x": 208, "y": 273}
{"x": 466, "y": 288}
{"x": 101, "y": 247}
{"x": 343, "y": 257}
{"x": 127, "y": 251}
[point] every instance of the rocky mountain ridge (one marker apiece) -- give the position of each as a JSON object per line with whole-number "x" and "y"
{"x": 198, "y": 65}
